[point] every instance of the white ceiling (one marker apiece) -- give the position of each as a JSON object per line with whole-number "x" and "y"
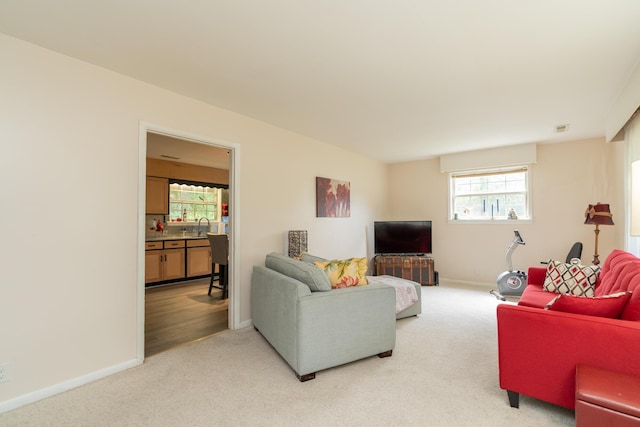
{"x": 397, "y": 80}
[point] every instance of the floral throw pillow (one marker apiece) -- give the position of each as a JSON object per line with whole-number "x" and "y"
{"x": 345, "y": 273}
{"x": 571, "y": 279}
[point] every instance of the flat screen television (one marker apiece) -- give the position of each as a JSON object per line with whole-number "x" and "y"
{"x": 402, "y": 237}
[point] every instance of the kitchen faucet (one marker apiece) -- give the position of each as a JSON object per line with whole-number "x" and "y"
{"x": 208, "y": 225}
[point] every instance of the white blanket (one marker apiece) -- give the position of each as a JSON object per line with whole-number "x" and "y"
{"x": 406, "y": 294}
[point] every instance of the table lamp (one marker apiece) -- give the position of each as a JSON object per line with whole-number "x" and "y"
{"x": 297, "y": 242}
{"x": 598, "y": 214}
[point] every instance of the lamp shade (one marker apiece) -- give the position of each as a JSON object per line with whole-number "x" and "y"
{"x": 297, "y": 242}
{"x": 598, "y": 214}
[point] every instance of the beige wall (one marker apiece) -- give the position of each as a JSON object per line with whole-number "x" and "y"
{"x": 565, "y": 179}
{"x": 70, "y": 269}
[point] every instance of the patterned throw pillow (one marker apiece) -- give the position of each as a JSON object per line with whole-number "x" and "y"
{"x": 345, "y": 273}
{"x": 572, "y": 279}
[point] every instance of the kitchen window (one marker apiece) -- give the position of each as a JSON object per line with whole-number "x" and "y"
{"x": 190, "y": 202}
{"x": 490, "y": 194}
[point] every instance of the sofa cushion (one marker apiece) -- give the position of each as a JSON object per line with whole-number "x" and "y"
{"x": 620, "y": 272}
{"x": 343, "y": 273}
{"x": 308, "y": 258}
{"x": 535, "y": 296}
{"x": 610, "y": 306}
{"x": 306, "y": 273}
{"x": 572, "y": 279}
{"x": 632, "y": 309}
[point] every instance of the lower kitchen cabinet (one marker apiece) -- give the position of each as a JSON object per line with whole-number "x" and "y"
{"x": 164, "y": 264}
{"x": 176, "y": 259}
{"x": 198, "y": 258}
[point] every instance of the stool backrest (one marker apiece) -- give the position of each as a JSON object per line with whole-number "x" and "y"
{"x": 219, "y": 248}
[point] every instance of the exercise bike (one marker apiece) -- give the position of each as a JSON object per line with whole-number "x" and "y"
{"x": 511, "y": 282}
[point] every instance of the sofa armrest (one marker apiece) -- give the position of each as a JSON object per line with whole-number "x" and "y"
{"x": 538, "y": 350}
{"x": 274, "y": 305}
{"x": 344, "y": 325}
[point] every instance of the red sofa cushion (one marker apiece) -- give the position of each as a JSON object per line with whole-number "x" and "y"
{"x": 536, "y": 275}
{"x": 620, "y": 272}
{"x": 632, "y": 309}
{"x": 610, "y": 306}
{"x": 535, "y": 296}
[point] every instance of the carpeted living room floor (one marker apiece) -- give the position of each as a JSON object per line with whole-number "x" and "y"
{"x": 443, "y": 372}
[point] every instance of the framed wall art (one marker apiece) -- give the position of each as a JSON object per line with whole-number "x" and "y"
{"x": 333, "y": 198}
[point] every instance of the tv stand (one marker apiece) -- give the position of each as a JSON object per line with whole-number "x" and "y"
{"x": 419, "y": 267}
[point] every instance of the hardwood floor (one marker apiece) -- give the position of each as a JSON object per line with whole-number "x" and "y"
{"x": 181, "y": 313}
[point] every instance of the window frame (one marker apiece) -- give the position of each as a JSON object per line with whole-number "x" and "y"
{"x": 192, "y": 220}
{"x": 526, "y": 217}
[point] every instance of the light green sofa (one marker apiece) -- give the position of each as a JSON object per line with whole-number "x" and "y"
{"x": 314, "y": 327}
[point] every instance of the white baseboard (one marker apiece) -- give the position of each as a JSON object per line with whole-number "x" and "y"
{"x": 11, "y": 404}
{"x": 245, "y": 324}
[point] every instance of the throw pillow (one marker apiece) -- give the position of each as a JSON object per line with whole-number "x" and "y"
{"x": 572, "y": 279}
{"x": 632, "y": 309}
{"x": 345, "y": 273}
{"x": 306, "y": 273}
{"x": 610, "y": 306}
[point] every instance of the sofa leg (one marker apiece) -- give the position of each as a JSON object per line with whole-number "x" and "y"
{"x": 306, "y": 377}
{"x": 514, "y": 399}
{"x": 385, "y": 353}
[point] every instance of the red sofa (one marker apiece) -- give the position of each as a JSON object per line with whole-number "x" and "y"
{"x": 539, "y": 349}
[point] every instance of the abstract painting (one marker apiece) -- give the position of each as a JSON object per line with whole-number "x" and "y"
{"x": 333, "y": 198}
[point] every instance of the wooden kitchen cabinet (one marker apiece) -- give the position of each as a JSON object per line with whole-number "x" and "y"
{"x": 198, "y": 258}
{"x": 173, "y": 264}
{"x": 157, "y": 196}
{"x": 153, "y": 266}
{"x": 164, "y": 264}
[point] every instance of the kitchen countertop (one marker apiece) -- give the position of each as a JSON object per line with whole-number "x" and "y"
{"x": 174, "y": 237}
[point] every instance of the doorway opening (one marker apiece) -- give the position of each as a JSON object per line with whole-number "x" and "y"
{"x": 176, "y": 312}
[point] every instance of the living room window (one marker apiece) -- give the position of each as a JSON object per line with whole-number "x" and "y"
{"x": 490, "y": 194}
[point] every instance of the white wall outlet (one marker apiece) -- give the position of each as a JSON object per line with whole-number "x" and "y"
{"x": 4, "y": 372}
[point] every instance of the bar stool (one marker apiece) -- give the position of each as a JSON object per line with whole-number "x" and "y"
{"x": 220, "y": 256}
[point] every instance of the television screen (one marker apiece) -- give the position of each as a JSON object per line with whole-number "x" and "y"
{"x": 402, "y": 237}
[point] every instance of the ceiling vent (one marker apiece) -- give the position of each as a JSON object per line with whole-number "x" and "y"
{"x": 561, "y": 128}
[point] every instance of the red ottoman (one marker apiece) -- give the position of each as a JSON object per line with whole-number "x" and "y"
{"x": 606, "y": 398}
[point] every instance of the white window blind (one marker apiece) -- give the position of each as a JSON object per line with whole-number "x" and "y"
{"x": 490, "y": 194}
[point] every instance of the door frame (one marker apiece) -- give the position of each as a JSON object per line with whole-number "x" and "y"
{"x": 234, "y": 221}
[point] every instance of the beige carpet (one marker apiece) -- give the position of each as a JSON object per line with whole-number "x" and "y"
{"x": 443, "y": 372}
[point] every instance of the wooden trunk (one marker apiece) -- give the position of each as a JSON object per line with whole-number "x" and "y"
{"x": 419, "y": 268}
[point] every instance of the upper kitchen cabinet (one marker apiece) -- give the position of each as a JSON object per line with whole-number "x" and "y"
{"x": 157, "y": 196}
